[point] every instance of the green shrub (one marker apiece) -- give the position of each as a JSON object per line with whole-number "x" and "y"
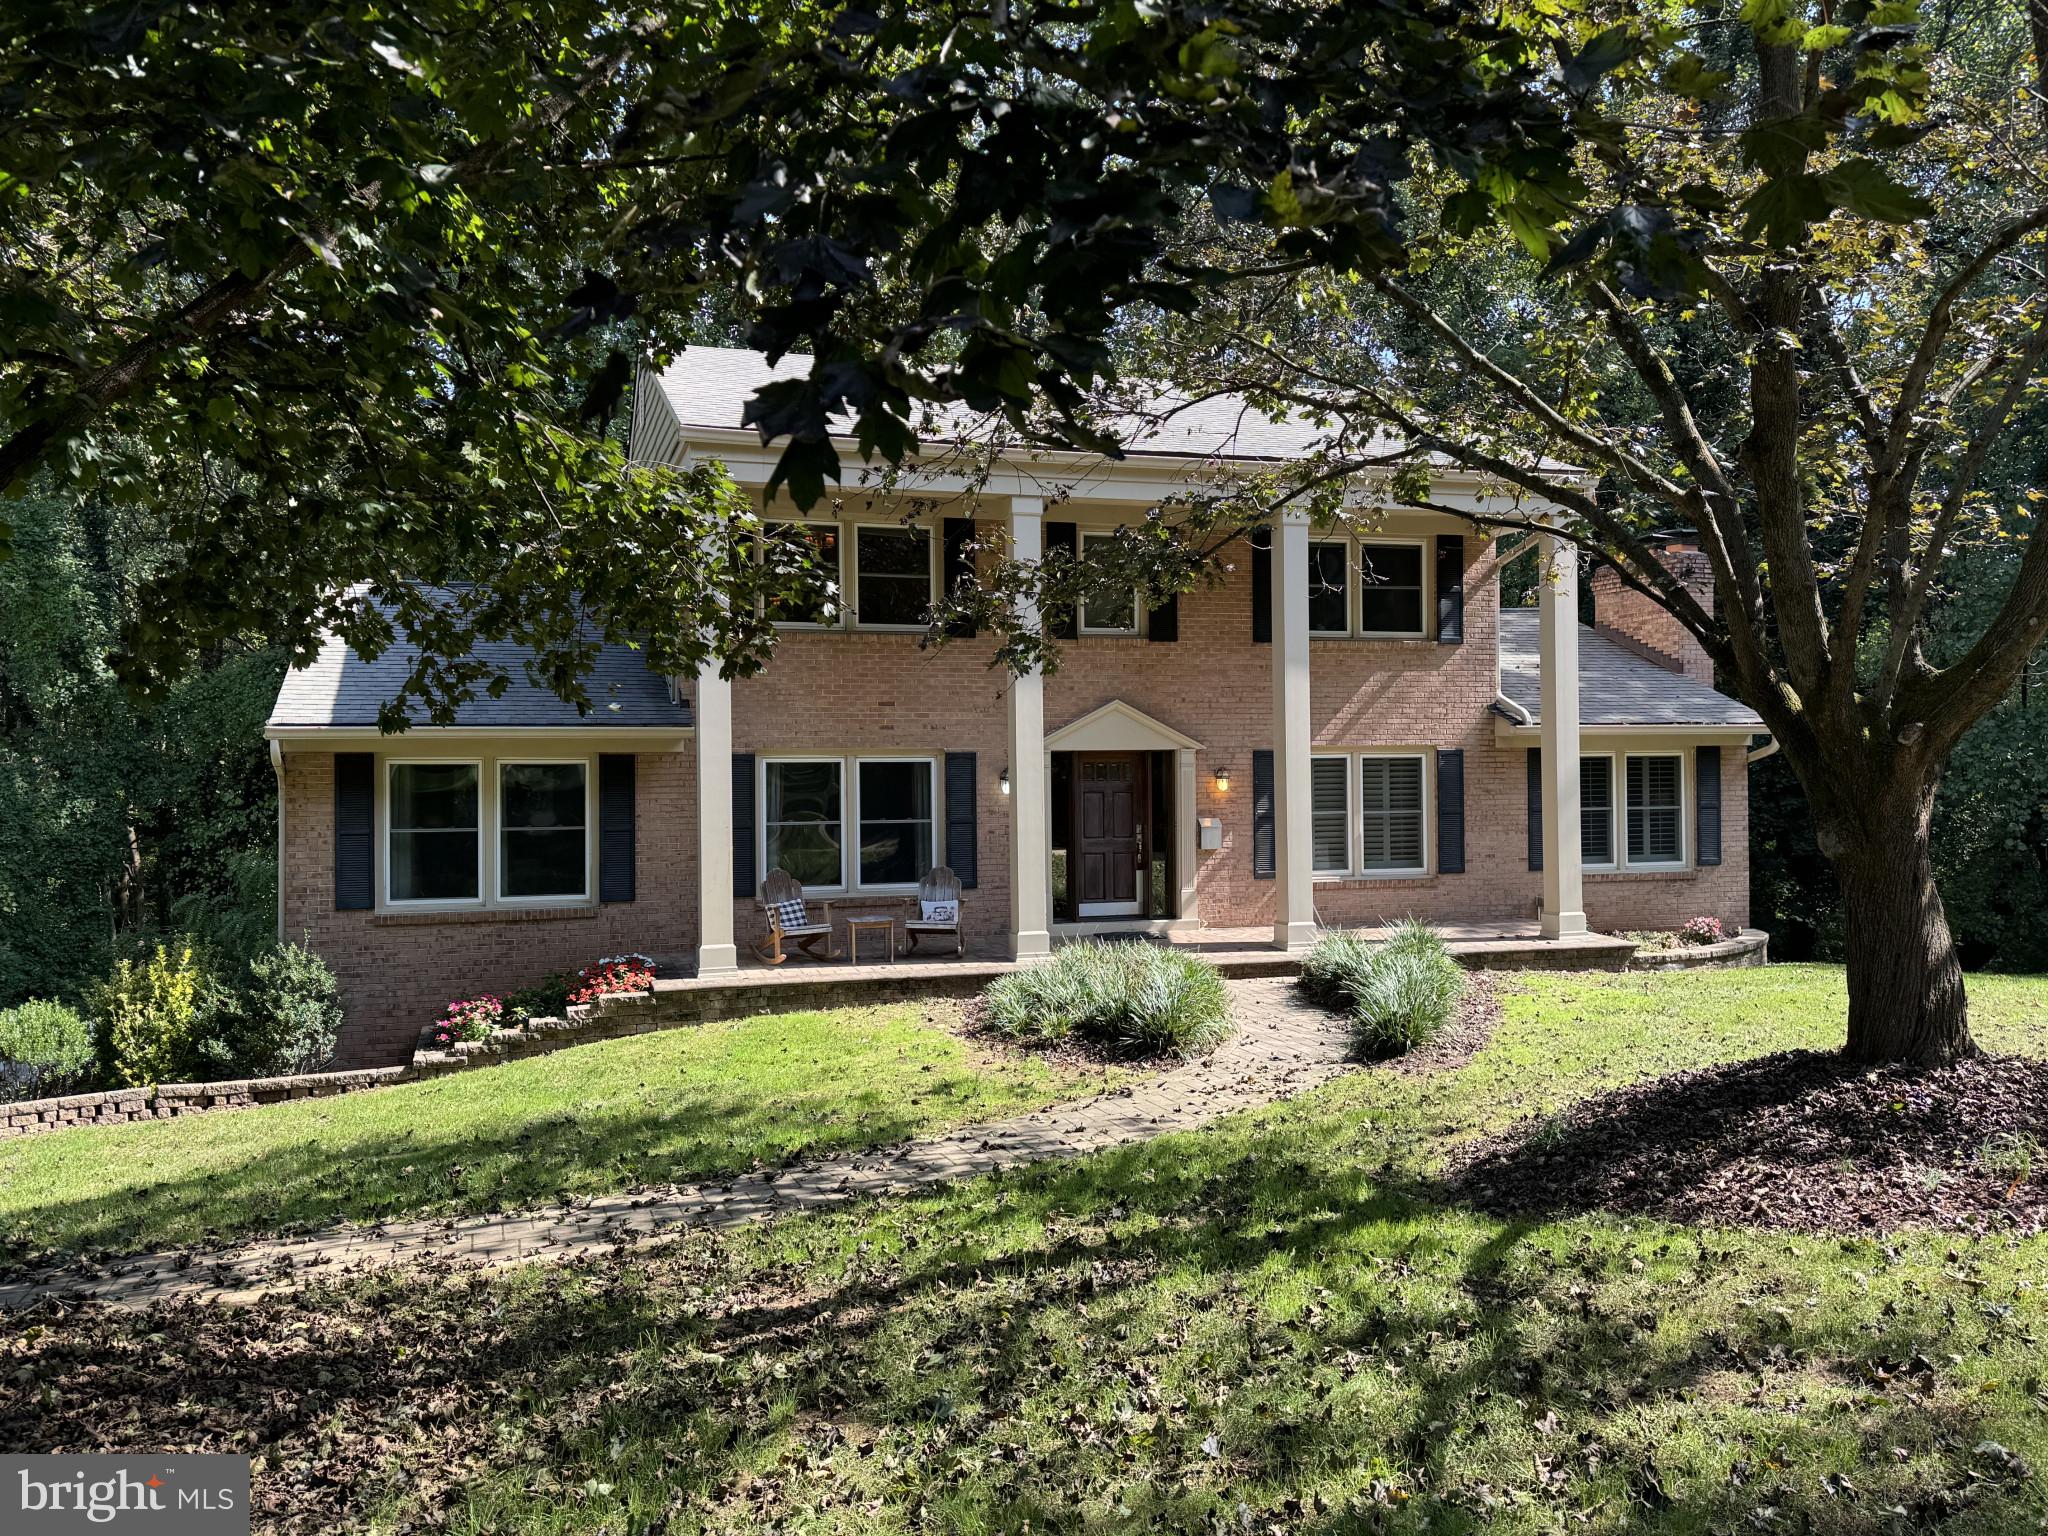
{"x": 279, "y": 1016}
{"x": 150, "y": 1018}
{"x": 45, "y": 1050}
{"x": 1136, "y": 998}
{"x": 1399, "y": 993}
{"x": 548, "y": 999}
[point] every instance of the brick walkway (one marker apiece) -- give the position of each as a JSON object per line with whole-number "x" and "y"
{"x": 1281, "y": 1047}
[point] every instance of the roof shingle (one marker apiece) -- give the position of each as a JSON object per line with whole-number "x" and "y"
{"x": 1616, "y": 686}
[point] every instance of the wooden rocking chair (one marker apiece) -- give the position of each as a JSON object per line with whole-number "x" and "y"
{"x": 940, "y": 885}
{"x": 779, "y": 889}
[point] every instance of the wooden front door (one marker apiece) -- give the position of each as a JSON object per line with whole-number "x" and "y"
{"x": 1109, "y": 833}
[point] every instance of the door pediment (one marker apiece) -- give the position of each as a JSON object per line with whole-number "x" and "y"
{"x": 1117, "y": 727}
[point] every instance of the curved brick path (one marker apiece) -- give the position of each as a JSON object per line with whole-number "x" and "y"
{"x": 1281, "y": 1047}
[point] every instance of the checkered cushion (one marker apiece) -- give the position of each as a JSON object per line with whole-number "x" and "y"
{"x": 788, "y": 914}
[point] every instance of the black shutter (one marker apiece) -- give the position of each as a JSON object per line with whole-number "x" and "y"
{"x": 962, "y": 849}
{"x": 355, "y": 831}
{"x": 1450, "y": 811}
{"x": 1265, "y": 862}
{"x": 1450, "y": 589}
{"x": 1163, "y": 623}
{"x": 1062, "y": 537}
{"x": 1707, "y": 799}
{"x": 616, "y": 824}
{"x": 1262, "y": 584}
{"x": 958, "y": 568}
{"x": 745, "y": 880}
{"x": 1535, "y": 807}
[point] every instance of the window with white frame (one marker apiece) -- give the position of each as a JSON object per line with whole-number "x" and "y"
{"x": 803, "y": 819}
{"x": 543, "y": 831}
{"x": 1329, "y": 587}
{"x": 1656, "y": 823}
{"x": 1596, "y": 812}
{"x": 892, "y": 573}
{"x": 1107, "y": 613}
{"x": 896, "y": 814}
{"x": 1330, "y": 814}
{"x": 435, "y": 831}
{"x": 810, "y": 551}
{"x": 1391, "y": 797}
{"x": 1390, "y": 587}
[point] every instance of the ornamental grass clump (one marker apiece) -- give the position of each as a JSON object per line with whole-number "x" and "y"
{"x": 1130, "y": 998}
{"x": 1400, "y": 992}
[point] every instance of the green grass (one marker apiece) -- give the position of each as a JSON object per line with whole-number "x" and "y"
{"x": 1278, "y": 1323}
{"x": 676, "y": 1105}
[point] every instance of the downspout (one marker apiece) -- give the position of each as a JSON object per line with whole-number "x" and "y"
{"x": 1501, "y": 701}
{"x": 277, "y": 767}
{"x": 1758, "y": 754}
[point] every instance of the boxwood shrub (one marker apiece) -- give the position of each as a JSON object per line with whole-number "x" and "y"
{"x": 1132, "y": 998}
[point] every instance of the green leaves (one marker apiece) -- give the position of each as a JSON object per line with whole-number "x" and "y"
{"x": 1866, "y": 189}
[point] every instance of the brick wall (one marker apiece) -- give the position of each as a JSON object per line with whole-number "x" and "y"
{"x": 397, "y": 969}
{"x": 1647, "y": 627}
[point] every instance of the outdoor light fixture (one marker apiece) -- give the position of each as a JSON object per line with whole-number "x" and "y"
{"x": 1222, "y": 781}
{"x": 1003, "y": 781}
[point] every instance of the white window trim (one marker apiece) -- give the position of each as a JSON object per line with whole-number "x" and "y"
{"x": 1617, "y": 792}
{"x": 849, "y": 564}
{"x": 1427, "y": 596}
{"x": 849, "y": 882}
{"x": 1081, "y": 624}
{"x": 1684, "y": 859}
{"x": 483, "y": 834}
{"x": 1352, "y": 823}
{"x": 838, "y": 601}
{"x": 498, "y": 830}
{"x": 1350, "y": 547}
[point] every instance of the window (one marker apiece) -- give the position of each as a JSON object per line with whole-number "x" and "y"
{"x": 436, "y": 848}
{"x": 1390, "y": 814}
{"x": 892, "y": 576}
{"x": 815, "y": 544}
{"x": 1107, "y": 613}
{"x": 802, "y": 820}
{"x": 1330, "y": 814}
{"x": 1596, "y": 811}
{"x": 543, "y": 825}
{"x": 897, "y": 828}
{"x": 1656, "y": 832}
{"x": 1329, "y": 583}
{"x": 1389, "y": 588}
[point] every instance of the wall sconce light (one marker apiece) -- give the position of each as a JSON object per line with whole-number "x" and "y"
{"x": 1222, "y": 781}
{"x": 1003, "y": 781}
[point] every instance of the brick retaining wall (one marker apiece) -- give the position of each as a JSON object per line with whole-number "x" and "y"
{"x": 168, "y": 1101}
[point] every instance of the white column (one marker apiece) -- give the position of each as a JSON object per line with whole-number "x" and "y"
{"x": 1564, "y": 894}
{"x": 1030, "y": 787}
{"x": 716, "y": 955}
{"x": 1185, "y": 851}
{"x": 1294, "y": 917}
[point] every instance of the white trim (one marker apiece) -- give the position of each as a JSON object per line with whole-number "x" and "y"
{"x": 1425, "y": 588}
{"x": 851, "y": 569}
{"x": 1616, "y": 793}
{"x": 438, "y": 903}
{"x": 1081, "y": 625}
{"x": 1118, "y": 727}
{"x": 498, "y": 830}
{"x": 601, "y": 737}
{"x": 1685, "y": 800}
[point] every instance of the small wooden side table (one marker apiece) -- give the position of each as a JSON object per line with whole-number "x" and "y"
{"x": 856, "y": 926}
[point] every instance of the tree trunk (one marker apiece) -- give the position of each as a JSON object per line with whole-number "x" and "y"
{"x": 1906, "y": 999}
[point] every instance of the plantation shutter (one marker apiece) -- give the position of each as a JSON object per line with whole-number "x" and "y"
{"x": 1062, "y": 537}
{"x": 1390, "y": 812}
{"x": 1450, "y": 589}
{"x": 1653, "y": 810}
{"x": 1707, "y": 790}
{"x": 962, "y": 849}
{"x": 1264, "y": 853}
{"x": 745, "y": 881}
{"x": 355, "y": 831}
{"x": 958, "y": 568}
{"x": 1262, "y": 584}
{"x": 1163, "y": 623}
{"x": 616, "y": 825}
{"x": 1596, "y": 810}
{"x": 1450, "y": 811}
{"x": 1330, "y": 814}
{"x": 1535, "y": 807}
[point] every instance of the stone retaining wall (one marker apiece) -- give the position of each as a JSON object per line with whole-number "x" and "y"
{"x": 1748, "y": 948}
{"x": 168, "y": 1101}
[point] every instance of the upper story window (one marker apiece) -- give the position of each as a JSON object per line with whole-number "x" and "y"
{"x": 821, "y": 604}
{"x": 435, "y": 839}
{"x": 1107, "y": 613}
{"x": 1656, "y": 796}
{"x": 1329, "y": 587}
{"x": 543, "y": 831}
{"x": 1390, "y": 590}
{"x": 892, "y": 576}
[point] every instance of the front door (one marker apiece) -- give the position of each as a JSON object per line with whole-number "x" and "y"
{"x": 1109, "y": 822}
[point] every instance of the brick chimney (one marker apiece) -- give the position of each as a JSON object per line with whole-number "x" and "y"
{"x": 1627, "y": 617}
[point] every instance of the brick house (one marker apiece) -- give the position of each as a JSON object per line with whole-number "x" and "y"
{"x": 1348, "y": 729}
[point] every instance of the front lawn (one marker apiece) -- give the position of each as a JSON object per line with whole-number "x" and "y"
{"x": 1279, "y": 1324}
{"x": 674, "y": 1106}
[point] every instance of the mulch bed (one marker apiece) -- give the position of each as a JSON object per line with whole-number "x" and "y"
{"x": 1799, "y": 1142}
{"x": 1472, "y": 1023}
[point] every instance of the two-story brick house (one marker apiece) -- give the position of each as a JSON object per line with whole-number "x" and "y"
{"x": 1349, "y": 728}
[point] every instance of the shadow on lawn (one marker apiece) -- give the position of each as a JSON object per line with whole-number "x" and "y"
{"x": 1041, "y": 1346}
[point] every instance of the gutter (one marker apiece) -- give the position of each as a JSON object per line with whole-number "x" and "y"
{"x": 1768, "y": 749}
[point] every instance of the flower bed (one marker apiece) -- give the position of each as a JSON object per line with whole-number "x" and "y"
{"x": 489, "y": 1025}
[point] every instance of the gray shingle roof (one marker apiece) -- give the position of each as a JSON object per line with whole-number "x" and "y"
{"x": 341, "y": 689}
{"x": 1616, "y": 686}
